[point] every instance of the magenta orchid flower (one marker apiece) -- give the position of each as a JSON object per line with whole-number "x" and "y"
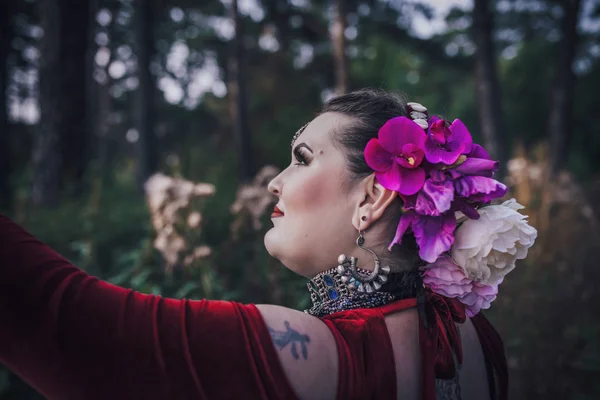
{"x": 397, "y": 154}
{"x": 434, "y": 235}
{"x": 478, "y": 163}
{"x": 479, "y": 189}
{"x": 435, "y": 198}
{"x": 455, "y": 188}
{"x": 444, "y": 143}
{"x": 476, "y": 182}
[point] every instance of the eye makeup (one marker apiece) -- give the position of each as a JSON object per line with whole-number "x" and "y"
{"x": 303, "y": 154}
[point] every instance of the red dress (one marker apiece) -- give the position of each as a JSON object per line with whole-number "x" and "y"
{"x": 73, "y": 336}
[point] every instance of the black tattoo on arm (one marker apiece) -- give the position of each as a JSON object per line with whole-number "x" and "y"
{"x": 293, "y": 337}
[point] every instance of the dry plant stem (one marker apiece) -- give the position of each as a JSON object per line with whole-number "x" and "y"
{"x": 170, "y": 203}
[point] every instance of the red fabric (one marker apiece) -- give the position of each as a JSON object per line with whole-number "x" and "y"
{"x": 365, "y": 356}
{"x": 439, "y": 341}
{"x": 73, "y": 336}
{"x": 493, "y": 350}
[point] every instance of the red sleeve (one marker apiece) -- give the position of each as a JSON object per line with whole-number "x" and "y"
{"x": 73, "y": 336}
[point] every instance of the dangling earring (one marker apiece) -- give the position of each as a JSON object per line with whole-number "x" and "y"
{"x": 355, "y": 281}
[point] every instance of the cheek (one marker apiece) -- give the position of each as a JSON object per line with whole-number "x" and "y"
{"x": 318, "y": 212}
{"x": 317, "y": 220}
{"x": 316, "y": 194}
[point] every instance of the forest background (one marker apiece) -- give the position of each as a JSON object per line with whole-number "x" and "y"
{"x": 98, "y": 96}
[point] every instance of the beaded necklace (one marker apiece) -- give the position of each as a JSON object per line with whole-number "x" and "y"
{"x": 329, "y": 294}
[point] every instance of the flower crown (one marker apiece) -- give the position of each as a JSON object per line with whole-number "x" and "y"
{"x": 445, "y": 180}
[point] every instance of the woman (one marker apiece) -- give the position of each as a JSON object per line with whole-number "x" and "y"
{"x": 392, "y": 325}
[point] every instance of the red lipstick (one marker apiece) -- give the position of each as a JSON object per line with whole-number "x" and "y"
{"x": 276, "y": 212}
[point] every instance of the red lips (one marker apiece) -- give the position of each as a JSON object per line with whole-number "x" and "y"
{"x": 276, "y": 212}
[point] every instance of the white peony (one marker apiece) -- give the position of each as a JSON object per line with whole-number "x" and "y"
{"x": 487, "y": 248}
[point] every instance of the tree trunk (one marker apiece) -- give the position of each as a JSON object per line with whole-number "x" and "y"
{"x": 75, "y": 69}
{"x": 47, "y": 160}
{"x": 144, "y": 99}
{"x": 5, "y": 40}
{"x": 486, "y": 84}
{"x": 561, "y": 97}
{"x": 238, "y": 103}
{"x": 338, "y": 41}
{"x": 94, "y": 120}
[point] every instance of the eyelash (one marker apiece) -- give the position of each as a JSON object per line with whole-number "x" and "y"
{"x": 300, "y": 158}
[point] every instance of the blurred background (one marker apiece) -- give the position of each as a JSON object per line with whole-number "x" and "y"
{"x": 137, "y": 138}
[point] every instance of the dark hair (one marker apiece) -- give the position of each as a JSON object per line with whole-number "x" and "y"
{"x": 370, "y": 109}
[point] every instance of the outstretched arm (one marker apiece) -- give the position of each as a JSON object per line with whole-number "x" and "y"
{"x": 73, "y": 336}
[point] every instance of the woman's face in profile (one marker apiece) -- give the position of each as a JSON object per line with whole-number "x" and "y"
{"x": 315, "y": 223}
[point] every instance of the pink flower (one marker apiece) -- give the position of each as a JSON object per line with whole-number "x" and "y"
{"x": 480, "y": 298}
{"x": 446, "y": 278}
{"x": 396, "y": 156}
{"x": 444, "y": 143}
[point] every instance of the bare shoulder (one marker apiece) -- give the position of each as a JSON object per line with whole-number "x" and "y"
{"x": 307, "y": 351}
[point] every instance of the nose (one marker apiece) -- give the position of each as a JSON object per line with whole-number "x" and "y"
{"x": 274, "y": 186}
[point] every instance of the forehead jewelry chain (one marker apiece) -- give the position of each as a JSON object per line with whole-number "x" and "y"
{"x": 298, "y": 133}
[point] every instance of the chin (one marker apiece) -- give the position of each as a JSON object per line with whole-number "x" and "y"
{"x": 277, "y": 249}
{"x": 272, "y": 243}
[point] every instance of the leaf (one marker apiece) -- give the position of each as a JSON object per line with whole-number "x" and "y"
{"x": 186, "y": 289}
{"x": 156, "y": 290}
{"x": 122, "y": 277}
{"x": 140, "y": 279}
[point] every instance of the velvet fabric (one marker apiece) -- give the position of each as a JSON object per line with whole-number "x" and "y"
{"x": 72, "y": 336}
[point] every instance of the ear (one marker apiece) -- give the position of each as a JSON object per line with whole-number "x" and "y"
{"x": 374, "y": 202}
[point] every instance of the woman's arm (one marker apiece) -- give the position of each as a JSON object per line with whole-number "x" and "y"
{"x": 306, "y": 349}
{"x": 73, "y": 336}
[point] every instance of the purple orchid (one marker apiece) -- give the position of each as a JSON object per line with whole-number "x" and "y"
{"x": 434, "y": 235}
{"x": 479, "y": 189}
{"x": 455, "y": 188}
{"x": 396, "y": 156}
{"x": 435, "y": 198}
{"x": 476, "y": 182}
{"x": 462, "y": 204}
{"x": 478, "y": 163}
{"x": 445, "y": 144}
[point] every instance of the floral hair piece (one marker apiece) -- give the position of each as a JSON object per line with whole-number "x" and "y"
{"x": 446, "y": 183}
